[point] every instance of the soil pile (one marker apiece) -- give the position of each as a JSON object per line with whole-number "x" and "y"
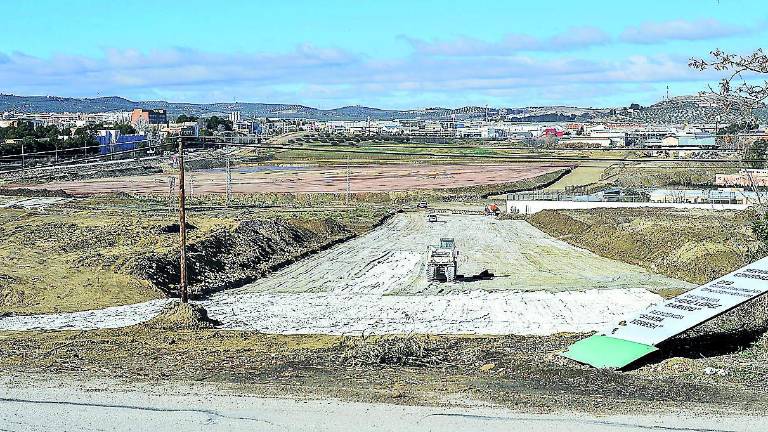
{"x": 761, "y": 344}
{"x": 232, "y": 258}
{"x": 182, "y": 316}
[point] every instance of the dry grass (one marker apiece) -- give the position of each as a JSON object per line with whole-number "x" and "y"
{"x": 693, "y": 245}
{"x": 410, "y": 350}
{"x": 65, "y": 261}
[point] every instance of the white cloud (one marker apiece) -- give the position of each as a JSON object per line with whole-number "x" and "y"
{"x": 330, "y": 77}
{"x": 573, "y": 38}
{"x": 657, "y": 32}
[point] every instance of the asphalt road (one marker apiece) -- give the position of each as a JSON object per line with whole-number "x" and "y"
{"x": 51, "y": 405}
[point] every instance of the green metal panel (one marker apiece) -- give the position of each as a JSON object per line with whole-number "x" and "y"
{"x": 607, "y": 352}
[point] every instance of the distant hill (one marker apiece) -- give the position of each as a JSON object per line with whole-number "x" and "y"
{"x": 677, "y": 110}
{"x": 691, "y": 109}
{"x": 36, "y": 104}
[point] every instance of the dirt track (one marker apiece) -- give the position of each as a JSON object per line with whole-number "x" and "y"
{"x": 275, "y": 179}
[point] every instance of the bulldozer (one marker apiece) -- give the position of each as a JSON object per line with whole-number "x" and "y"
{"x": 442, "y": 261}
{"x": 492, "y": 210}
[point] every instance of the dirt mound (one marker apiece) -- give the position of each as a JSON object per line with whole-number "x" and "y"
{"x": 182, "y": 316}
{"x": 174, "y": 228}
{"x": 36, "y": 193}
{"x": 231, "y": 258}
{"x": 761, "y": 343}
{"x": 676, "y": 365}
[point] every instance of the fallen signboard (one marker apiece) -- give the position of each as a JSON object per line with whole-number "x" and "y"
{"x": 638, "y": 336}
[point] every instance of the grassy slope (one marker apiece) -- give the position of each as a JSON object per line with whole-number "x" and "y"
{"x": 79, "y": 260}
{"x": 692, "y": 245}
{"x": 659, "y": 174}
{"x": 580, "y": 176}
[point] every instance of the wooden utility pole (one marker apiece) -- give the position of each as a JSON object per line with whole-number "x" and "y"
{"x": 182, "y": 228}
{"x": 349, "y": 190}
{"x": 229, "y": 182}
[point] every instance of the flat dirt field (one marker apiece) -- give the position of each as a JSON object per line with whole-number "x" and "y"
{"x": 275, "y": 179}
{"x": 376, "y": 284}
{"x": 391, "y": 260}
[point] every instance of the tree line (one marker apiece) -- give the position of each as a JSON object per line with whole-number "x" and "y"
{"x": 31, "y": 139}
{"x": 210, "y": 124}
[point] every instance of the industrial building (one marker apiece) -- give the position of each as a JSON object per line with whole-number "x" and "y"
{"x": 149, "y": 116}
{"x": 690, "y": 140}
{"x": 111, "y": 141}
{"x": 701, "y": 196}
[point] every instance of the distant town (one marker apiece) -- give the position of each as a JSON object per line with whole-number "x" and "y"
{"x": 676, "y": 127}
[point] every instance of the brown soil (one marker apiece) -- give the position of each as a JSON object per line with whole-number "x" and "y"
{"x": 229, "y": 258}
{"x": 514, "y": 371}
{"x": 374, "y": 178}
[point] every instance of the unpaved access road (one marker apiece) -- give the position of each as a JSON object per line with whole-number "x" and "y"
{"x": 391, "y": 260}
{"x": 64, "y": 406}
{"x": 376, "y": 284}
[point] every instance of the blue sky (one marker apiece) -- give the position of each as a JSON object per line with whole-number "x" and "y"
{"x": 386, "y": 53}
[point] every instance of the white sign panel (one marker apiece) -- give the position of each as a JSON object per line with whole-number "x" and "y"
{"x": 660, "y": 322}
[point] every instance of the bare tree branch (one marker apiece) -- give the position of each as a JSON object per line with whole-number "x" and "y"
{"x": 735, "y": 91}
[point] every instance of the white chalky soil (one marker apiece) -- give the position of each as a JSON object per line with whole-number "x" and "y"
{"x": 376, "y": 284}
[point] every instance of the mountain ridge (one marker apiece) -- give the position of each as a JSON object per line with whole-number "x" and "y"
{"x": 677, "y": 110}
{"x": 59, "y": 104}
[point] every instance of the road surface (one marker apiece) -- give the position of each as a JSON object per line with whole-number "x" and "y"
{"x": 56, "y": 406}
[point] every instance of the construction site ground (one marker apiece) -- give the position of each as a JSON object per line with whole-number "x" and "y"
{"x": 303, "y": 178}
{"x": 516, "y": 256}
{"x": 512, "y": 279}
{"x": 723, "y": 374}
